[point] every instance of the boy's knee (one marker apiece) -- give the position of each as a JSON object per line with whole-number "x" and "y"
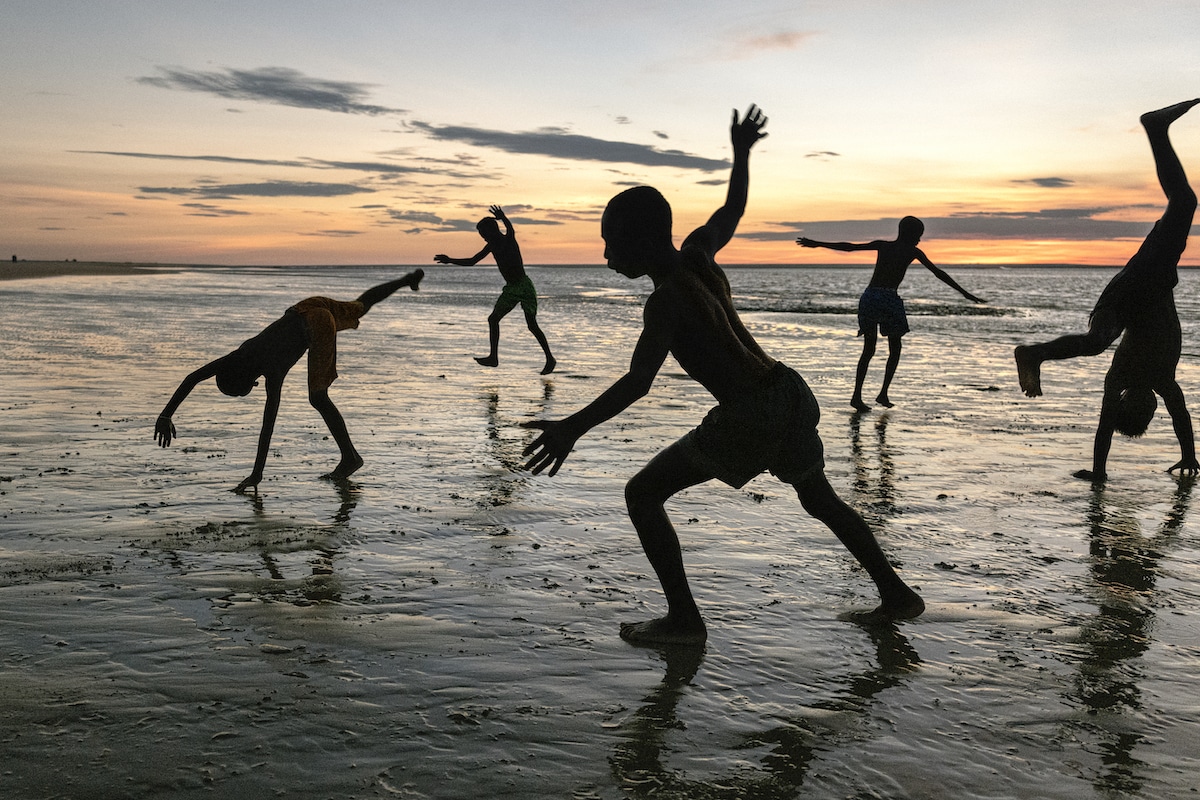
{"x": 639, "y": 494}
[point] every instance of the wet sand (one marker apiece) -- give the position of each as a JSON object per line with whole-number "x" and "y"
{"x": 444, "y": 625}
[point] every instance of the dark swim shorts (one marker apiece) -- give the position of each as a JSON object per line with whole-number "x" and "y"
{"x": 882, "y": 307}
{"x": 772, "y": 429}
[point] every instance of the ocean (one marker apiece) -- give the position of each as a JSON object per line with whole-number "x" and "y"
{"x": 444, "y": 624}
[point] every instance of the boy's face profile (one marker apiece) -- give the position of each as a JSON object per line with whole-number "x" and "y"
{"x": 619, "y": 249}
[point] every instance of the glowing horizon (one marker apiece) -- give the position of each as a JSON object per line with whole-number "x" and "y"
{"x": 346, "y": 137}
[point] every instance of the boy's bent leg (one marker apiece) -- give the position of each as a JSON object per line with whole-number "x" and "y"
{"x": 895, "y": 346}
{"x": 501, "y": 310}
{"x": 870, "y": 338}
{"x": 898, "y": 601}
{"x": 351, "y": 460}
{"x": 535, "y": 329}
{"x": 668, "y": 473}
{"x": 1030, "y": 357}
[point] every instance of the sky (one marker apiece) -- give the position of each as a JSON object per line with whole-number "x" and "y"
{"x": 371, "y": 132}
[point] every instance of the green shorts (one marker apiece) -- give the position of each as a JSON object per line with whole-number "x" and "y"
{"x": 520, "y": 292}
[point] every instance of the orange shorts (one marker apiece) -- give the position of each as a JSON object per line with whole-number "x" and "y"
{"x": 323, "y": 318}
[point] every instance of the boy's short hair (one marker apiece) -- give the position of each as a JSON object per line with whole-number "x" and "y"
{"x": 1135, "y": 409}
{"x": 235, "y": 377}
{"x": 911, "y": 228}
{"x": 487, "y": 227}
{"x": 640, "y": 213}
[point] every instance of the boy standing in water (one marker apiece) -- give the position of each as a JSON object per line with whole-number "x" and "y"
{"x": 880, "y": 308}
{"x": 518, "y": 288}
{"x": 766, "y": 418}
{"x": 310, "y": 325}
{"x": 1139, "y": 301}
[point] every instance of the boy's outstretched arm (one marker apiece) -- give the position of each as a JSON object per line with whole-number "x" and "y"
{"x": 164, "y": 428}
{"x": 558, "y": 437}
{"x": 743, "y": 133}
{"x": 845, "y": 247}
{"x": 1181, "y": 421}
{"x": 270, "y": 412}
{"x": 442, "y": 258}
{"x": 376, "y": 293}
{"x": 941, "y": 275}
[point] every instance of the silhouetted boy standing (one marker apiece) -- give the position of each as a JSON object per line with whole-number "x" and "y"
{"x": 880, "y": 308}
{"x": 766, "y": 418}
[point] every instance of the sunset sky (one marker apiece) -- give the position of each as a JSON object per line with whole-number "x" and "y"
{"x": 380, "y": 132}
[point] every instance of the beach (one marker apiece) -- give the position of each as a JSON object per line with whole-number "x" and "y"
{"x": 444, "y": 624}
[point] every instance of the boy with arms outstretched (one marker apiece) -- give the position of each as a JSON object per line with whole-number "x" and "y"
{"x": 1140, "y": 302}
{"x": 766, "y": 418}
{"x": 311, "y": 325}
{"x": 880, "y": 308}
{"x": 518, "y": 288}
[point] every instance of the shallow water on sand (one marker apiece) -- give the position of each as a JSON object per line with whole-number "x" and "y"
{"x": 444, "y": 624}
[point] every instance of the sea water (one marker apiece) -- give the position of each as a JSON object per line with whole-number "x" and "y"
{"x": 445, "y": 624}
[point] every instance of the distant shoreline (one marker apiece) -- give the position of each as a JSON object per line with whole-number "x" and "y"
{"x": 22, "y": 270}
{"x": 26, "y": 270}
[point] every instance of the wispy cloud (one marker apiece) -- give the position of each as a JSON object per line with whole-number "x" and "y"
{"x": 1047, "y": 183}
{"x": 783, "y": 40}
{"x": 227, "y": 191}
{"x": 209, "y": 210}
{"x": 419, "y": 167}
{"x": 558, "y": 143}
{"x": 275, "y": 85}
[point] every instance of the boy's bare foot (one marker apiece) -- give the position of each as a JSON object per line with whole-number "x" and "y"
{"x": 1029, "y": 372}
{"x": 882, "y": 399}
{"x": 550, "y": 365}
{"x": 858, "y": 404}
{"x": 905, "y": 606}
{"x": 344, "y": 470}
{"x": 663, "y": 630}
{"x": 487, "y": 361}
{"x": 1088, "y": 475}
{"x": 416, "y": 275}
{"x": 1163, "y": 117}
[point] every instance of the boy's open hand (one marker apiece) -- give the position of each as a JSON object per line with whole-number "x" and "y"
{"x": 1187, "y": 466}
{"x": 745, "y": 132}
{"x": 549, "y": 449}
{"x": 164, "y": 431}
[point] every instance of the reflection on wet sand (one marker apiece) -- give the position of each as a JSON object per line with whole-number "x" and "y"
{"x": 876, "y": 497}
{"x": 640, "y": 762}
{"x": 1124, "y": 568}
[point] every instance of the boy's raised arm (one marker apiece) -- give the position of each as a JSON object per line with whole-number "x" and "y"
{"x": 743, "y": 133}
